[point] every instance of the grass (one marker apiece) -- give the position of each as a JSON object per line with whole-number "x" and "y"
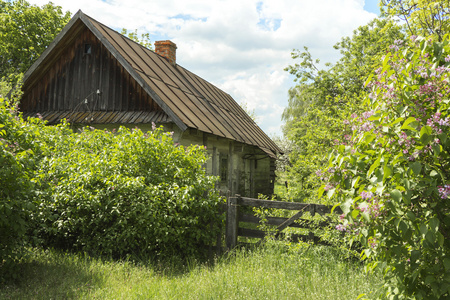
{"x": 271, "y": 272}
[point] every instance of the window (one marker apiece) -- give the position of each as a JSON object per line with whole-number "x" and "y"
{"x": 223, "y": 169}
{"x": 87, "y": 48}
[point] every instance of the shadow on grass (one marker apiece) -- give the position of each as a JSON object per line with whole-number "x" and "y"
{"x": 55, "y": 274}
{"x": 51, "y": 275}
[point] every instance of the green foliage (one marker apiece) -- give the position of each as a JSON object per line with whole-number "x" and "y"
{"x": 422, "y": 17}
{"x": 322, "y": 99}
{"x": 125, "y": 193}
{"x": 144, "y": 40}
{"x": 129, "y": 193}
{"x": 250, "y": 112}
{"x": 26, "y": 30}
{"x": 9, "y": 87}
{"x": 393, "y": 179}
{"x": 19, "y": 156}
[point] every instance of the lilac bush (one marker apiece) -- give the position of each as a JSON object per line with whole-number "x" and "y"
{"x": 392, "y": 173}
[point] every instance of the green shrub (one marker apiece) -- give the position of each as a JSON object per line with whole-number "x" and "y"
{"x": 19, "y": 155}
{"x": 125, "y": 193}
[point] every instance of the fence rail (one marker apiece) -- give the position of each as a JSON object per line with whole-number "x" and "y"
{"x": 234, "y": 217}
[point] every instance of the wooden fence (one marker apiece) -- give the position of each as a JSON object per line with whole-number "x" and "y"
{"x": 234, "y": 216}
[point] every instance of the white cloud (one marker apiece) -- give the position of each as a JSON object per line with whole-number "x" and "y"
{"x": 240, "y": 46}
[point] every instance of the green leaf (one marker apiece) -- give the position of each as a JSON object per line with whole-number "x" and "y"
{"x": 398, "y": 120}
{"x": 334, "y": 207}
{"x": 423, "y": 229}
{"x": 415, "y": 255}
{"x": 447, "y": 264}
{"x": 430, "y": 237}
{"x": 388, "y": 170}
{"x": 375, "y": 165}
{"x": 429, "y": 279}
{"x": 369, "y": 138}
{"x": 436, "y": 149}
{"x": 411, "y": 215}
{"x": 426, "y": 134}
{"x": 369, "y": 78}
{"x": 346, "y": 206}
{"x": 355, "y": 182}
{"x": 416, "y": 167}
{"x": 406, "y": 124}
{"x": 355, "y": 213}
{"x": 330, "y": 193}
{"x": 434, "y": 224}
{"x": 396, "y": 195}
{"x": 321, "y": 191}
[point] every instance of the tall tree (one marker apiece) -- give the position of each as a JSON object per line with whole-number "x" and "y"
{"x": 422, "y": 17}
{"x": 25, "y": 31}
{"x": 322, "y": 99}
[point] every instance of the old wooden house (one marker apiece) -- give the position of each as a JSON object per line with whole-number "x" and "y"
{"x": 92, "y": 75}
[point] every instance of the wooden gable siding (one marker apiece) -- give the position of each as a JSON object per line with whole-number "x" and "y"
{"x": 76, "y": 76}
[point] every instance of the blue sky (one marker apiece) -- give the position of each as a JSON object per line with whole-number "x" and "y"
{"x": 241, "y": 46}
{"x": 372, "y": 6}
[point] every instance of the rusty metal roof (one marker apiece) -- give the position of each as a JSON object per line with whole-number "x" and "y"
{"x": 185, "y": 98}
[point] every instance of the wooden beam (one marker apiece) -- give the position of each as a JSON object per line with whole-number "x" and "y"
{"x": 272, "y": 204}
{"x": 252, "y": 233}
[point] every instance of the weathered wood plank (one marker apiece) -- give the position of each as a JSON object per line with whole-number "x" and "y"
{"x": 317, "y": 208}
{"x": 272, "y": 204}
{"x": 232, "y": 223}
{"x": 276, "y": 221}
{"x": 252, "y": 233}
{"x": 306, "y": 238}
{"x": 289, "y": 221}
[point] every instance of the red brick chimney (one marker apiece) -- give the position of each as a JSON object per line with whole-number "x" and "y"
{"x": 167, "y": 49}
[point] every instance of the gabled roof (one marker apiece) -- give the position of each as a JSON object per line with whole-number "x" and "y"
{"x": 187, "y": 99}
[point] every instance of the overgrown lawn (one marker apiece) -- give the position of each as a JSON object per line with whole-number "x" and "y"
{"x": 267, "y": 273}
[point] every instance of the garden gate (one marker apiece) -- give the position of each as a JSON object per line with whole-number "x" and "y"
{"x": 234, "y": 216}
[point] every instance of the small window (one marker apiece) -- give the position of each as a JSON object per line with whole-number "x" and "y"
{"x": 87, "y": 48}
{"x": 223, "y": 169}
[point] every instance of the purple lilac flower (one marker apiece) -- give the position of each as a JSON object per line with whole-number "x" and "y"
{"x": 328, "y": 187}
{"x": 367, "y": 114}
{"x": 366, "y": 195}
{"x": 444, "y": 191}
{"x": 341, "y": 227}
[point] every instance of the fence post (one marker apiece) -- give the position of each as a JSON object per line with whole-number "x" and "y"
{"x": 312, "y": 211}
{"x": 232, "y": 222}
